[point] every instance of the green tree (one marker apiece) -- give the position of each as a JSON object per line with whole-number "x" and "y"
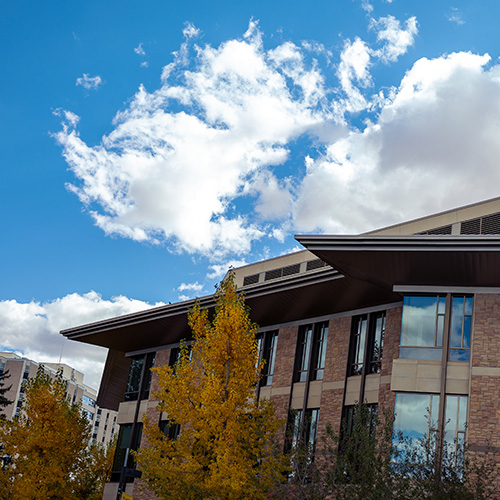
{"x": 368, "y": 461}
{"x": 46, "y": 443}
{"x": 225, "y": 449}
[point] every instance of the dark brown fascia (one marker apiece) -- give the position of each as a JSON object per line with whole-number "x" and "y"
{"x": 471, "y": 261}
{"x": 168, "y": 324}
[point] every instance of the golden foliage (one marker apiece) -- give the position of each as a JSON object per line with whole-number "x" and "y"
{"x": 46, "y": 445}
{"x": 225, "y": 448}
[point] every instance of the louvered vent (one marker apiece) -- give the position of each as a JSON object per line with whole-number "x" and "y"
{"x": 472, "y": 226}
{"x": 273, "y": 274}
{"x": 288, "y": 270}
{"x": 315, "y": 264}
{"x": 282, "y": 271}
{"x": 251, "y": 280}
{"x": 438, "y": 230}
{"x": 490, "y": 224}
{"x": 441, "y": 230}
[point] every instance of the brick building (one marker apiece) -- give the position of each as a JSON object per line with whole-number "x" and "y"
{"x": 406, "y": 317}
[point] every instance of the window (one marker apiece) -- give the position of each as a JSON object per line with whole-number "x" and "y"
{"x": 423, "y": 325}
{"x": 88, "y": 401}
{"x": 349, "y": 417}
{"x": 170, "y": 429}
{"x": 311, "y": 352}
{"x": 303, "y": 356}
{"x": 319, "y": 351}
{"x": 139, "y": 379}
{"x": 267, "y": 344}
{"x": 454, "y": 430}
{"x": 123, "y": 443}
{"x": 460, "y": 328}
{"x": 416, "y": 419}
{"x": 303, "y": 428}
{"x": 134, "y": 378}
{"x": 367, "y": 340}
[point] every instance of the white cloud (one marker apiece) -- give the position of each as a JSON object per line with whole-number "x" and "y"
{"x": 190, "y": 30}
{"x": 434, "y": 146}
{"x": 366, "y": 6}
{"x": 218, "y": 271}
{"x": 354, "y": 69}
{"x": 455, "y": 16}
{"x": 139, "y": 50}
{"x": 144, "y": 64}
{"x": 218, "y": 173}
{"x": 164, "y": 175}
{"x": 396, "y": 39}
{"x": 192, "y": 287}
{"x": 32, "y": 329}
{"x": 89, "y": 82}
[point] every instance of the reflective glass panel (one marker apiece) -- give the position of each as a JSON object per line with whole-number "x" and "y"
{"x": 419, "y": 321}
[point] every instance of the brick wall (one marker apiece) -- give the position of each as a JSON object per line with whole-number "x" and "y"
{"x": 484, "y": 404}
{"x": 285, "y": 356}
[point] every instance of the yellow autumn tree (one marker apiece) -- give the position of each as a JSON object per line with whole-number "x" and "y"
{"x": 45, "y": 447}
{"x": 226, "y": 446}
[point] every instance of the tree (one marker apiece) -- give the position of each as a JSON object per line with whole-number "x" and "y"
{"x": 225, "y": 449}
{"x": 369, "y": 461}
{"x": 89, "y": 482}
{"x": 46, "y": 443}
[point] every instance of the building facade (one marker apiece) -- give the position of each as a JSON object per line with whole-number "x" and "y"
{"x": 407, "y": 317}
{"x": 102, "y": 421}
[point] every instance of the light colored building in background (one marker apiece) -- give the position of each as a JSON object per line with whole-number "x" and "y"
{"x": 102, "y": 421}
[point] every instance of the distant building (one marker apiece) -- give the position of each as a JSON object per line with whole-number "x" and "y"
{"x": 406, "y": 318}
{"x": 102, "y": 421}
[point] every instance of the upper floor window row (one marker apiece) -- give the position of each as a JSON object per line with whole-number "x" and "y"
{"x": 424, "y": 325}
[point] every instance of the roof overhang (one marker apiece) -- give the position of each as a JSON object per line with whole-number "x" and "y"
{"x": 310, "y": 295}
{"x": 386, "y": 261}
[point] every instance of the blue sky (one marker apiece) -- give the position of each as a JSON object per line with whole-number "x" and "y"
{"x": 147, "y": 146}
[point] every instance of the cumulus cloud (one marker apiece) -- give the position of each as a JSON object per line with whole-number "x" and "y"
{"x": 32, "y": 329}
{"x": 433, "y": 146}
{"x": 208, "y": 162}
{"x": 174, "y": 175}
{"x": 89, "y": 82}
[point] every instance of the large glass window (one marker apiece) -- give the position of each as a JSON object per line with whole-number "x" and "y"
{"x": 367, "y": 339}
{"x": 423, "y": 326}
{"x": 415, "y": 425}
{"x": 267, "y": 343}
